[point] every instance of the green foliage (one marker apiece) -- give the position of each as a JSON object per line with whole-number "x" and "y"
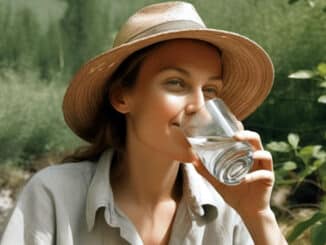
{"x": 310, "y": 2}
{"x": 318, "y": 75}
{"x": 317, "y": 224}
{"x": 75, "y": 30}
{"x": 294, "y": 164}
{"x": 31, "y": 121}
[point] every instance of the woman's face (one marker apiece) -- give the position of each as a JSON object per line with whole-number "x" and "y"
{"x": 174, "y": 80}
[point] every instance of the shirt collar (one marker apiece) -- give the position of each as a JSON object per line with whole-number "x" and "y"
{"x": 99, "y": 192}
{"x": 202, "y": 199}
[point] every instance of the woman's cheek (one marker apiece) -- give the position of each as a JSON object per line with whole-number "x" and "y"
{"x": 175, "y": 102}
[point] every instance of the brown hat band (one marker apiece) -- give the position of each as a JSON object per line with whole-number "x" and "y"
{"x": 169, "y": 26}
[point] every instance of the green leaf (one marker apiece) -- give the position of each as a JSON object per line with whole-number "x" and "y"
{"x": 322, "y": 99}
{"x": 306, "y": 153}
{"x": 311, "y": 168}
{"x": 302, "y": 226}
{"x": 280, "y": 146}
{"x": 318, "y": 163}
{"x": 311, "y": 3}
{"x": 289, "y": 166}
{"x": 310, "y": 150}
{"x": 323, "y": 84}
{"x": 302, "y": 74}
{"x": 319, "y": 154}
{"x": 294, "y": 140}
{"x": 321, "y": 69}
{"x": 318, "y": 234}
{"x": 292, "y": 1}
{"x": 316, "y": 150}
{"x": 307, "y": 171}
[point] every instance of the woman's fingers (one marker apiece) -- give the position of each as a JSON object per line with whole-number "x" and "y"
{"x": 252, "y": 137}
{"x": 263, "y": 176}
{"x": 262, "y": 160}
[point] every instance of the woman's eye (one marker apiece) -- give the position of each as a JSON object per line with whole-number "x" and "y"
{"x": 210, "y": 92}
{"x": 175, "y": 85}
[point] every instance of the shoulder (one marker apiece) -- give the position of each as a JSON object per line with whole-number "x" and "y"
{"x": 56, "y": 190}
{"x": 53, "y": 195}
{"x": 64, "y": 174}
{"x": 57, "y": 182}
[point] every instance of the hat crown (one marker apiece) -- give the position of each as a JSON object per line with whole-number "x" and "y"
{"x": 156, "y": 15}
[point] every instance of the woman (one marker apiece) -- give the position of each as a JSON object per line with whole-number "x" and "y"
{"x": 139, "y": 182}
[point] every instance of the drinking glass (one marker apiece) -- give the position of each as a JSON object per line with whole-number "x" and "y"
{"x": 210, "y": 132}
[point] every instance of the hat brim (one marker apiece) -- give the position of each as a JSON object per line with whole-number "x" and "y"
{"x": 247, "y": 76}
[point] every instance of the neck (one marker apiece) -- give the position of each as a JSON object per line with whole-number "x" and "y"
{"x": 146, "y": 177}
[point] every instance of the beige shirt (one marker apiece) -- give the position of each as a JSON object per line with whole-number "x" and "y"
{"x": 73, "y": 204}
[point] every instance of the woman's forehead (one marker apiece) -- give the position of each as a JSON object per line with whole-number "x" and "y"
{"x": 184, "y": 46}
{"x": 184, "y": 53}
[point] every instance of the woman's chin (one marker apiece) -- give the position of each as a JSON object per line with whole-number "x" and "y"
{"x": 188, "y": 157}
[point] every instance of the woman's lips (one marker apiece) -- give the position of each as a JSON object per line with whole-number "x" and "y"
{"x": 176, "y": 124}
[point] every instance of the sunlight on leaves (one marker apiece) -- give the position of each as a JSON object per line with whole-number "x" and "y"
{"x": 289, "y": 166}
{"x": 280, "y": 146}
{"x": 322, "y": 99}
{"x": 302, "y": 74}
{"x": 294, "y": 140}
{"x": 321, "y": 68}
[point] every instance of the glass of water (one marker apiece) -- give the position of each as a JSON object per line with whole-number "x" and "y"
{"x": 210, "y": 132}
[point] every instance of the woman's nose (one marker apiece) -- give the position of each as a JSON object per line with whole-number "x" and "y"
{"x": 195, "y": 102}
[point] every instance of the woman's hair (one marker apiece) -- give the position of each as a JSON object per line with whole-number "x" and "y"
{"x": 111, "y": 124}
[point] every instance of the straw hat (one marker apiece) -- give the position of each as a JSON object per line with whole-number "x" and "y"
{"x": 247, "y": 69}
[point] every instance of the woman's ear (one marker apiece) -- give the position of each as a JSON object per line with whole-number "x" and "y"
{"x": 118, "y": 100}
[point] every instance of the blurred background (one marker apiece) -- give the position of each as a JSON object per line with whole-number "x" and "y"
{"x": 43, "y": 42}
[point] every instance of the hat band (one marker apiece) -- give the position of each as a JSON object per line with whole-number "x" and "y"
{"x": 166, "y": 27}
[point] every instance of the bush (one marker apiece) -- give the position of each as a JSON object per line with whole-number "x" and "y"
{"x": 302, "y": 169}
{"x": 31, "y": 120}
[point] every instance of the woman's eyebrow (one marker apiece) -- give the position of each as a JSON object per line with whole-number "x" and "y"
{"x": 185, "y": 72}
{"x": 167, "y": 68}
{"x": 215, "y": 78}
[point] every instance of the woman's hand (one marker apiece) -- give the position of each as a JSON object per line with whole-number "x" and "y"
{"x": 251, "y": 198}
{"x": 252, "y": 195}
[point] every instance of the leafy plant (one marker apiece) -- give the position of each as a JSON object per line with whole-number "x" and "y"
{"x": 317, "y": 223}
{"x": 318, "y": 75}
{"x": 293, "y": 165}
{"x": 31, "y": 121}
